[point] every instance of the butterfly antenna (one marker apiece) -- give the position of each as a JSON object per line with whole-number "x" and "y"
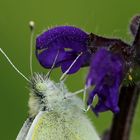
{"x": 32, "y": 26}
{"x": 53, "y": 65}
{"x": 16, "y": 69}
{"x": 65, "y": 73}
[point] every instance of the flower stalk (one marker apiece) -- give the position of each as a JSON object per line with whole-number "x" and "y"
{"x": 122, "y": 122}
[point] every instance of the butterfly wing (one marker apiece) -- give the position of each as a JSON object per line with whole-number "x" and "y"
{"x": 61, "y": 126}
{"x": 24, "y": 130}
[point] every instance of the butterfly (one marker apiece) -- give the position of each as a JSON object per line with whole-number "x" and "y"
{"x": 54, "y": 112}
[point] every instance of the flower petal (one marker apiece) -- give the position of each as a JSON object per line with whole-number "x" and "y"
{"x": 106, "y": 74}
{"x": 63, "y": 36}
{"x": 76, "y": 66}
{"x": 47, "y": 57}
{"x": 97, "y": 68}
{"x": 100, "y": 107}
{"x": 69, "y": 40}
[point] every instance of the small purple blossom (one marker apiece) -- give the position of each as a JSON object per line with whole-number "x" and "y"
{"x": 134, "y": 25}
{"x": 106, "y": 74}
{"x": 68, "y": 42}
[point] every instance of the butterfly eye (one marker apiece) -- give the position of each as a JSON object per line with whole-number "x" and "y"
{"x": 41, "y": 86}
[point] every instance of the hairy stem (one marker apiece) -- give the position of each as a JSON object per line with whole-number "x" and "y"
{"x": 122, "y": 122}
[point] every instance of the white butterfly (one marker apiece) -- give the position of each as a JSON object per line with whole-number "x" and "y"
{"x": 54, "y": 112}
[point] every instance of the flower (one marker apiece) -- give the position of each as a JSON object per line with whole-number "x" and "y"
{"x": 134, "y": 25}
{"x": 106, "y": 73}
{"x": 68, "y": 42}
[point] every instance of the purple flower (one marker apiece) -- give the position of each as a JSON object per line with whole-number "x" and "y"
{"x": 106, "y": 74}
{"x": 66, "y": 41}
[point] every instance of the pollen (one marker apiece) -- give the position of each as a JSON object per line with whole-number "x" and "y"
{"x": 130, "y": 77}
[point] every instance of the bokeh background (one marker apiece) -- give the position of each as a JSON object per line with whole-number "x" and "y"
{"x": 109, "y": 18}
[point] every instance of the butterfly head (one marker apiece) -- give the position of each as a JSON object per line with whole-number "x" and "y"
{"x": 45, "y": 94}
{"x": 40, "y": 83}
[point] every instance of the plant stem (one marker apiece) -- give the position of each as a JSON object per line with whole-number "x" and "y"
{"x": 122, "y": 122}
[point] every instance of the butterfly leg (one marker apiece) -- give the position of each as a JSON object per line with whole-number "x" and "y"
{"x": 75, "y": 93}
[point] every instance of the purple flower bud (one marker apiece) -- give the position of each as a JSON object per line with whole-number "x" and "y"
{"x": 134, "y": 25}
{"x": 106, "y": 74}
{"x": 68, "y": 42}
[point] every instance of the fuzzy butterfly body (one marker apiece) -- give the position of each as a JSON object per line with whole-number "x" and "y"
{"x": 54, "y": 114}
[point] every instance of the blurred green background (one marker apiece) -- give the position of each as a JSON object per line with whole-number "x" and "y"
{"x": 104, "y": 17}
